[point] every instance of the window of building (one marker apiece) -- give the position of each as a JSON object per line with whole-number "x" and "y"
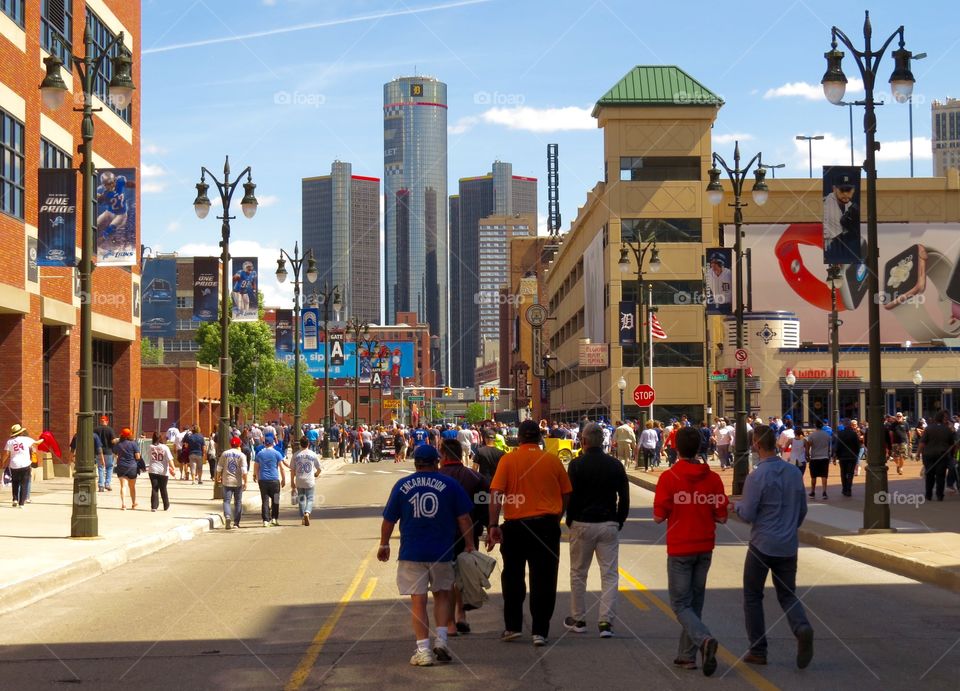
{"x": 184, "y": 302}
{"x": 14, "y": 10}
{"x": 661, "y": 229}
{"x": 56, "y": 28}
{"x": 52, "y": 156}
{"x": 659, "y": 168}
{"x": 103, "y": 377}
{"x": 11, "y": 165}
{"x": 666, "y": 354}
{"x": 102, "y": 36}
{"x": 665, "y": 292}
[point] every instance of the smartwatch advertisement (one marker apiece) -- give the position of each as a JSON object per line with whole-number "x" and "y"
{"x": 718, "y": 280}
{"x": 904, "y": 276}
{"x": 841, "y": 215}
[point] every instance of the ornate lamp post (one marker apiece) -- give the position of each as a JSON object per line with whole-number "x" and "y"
{"x": 256, "y": 380}
{"x": 53, "y": 91}
{"x": 358, "y": 328}
{"x": 296, "y": 263}
{"x": 639, "y": 250}
{"x": 876, "y": 516}
{"x": 759, "y": 193}
{"x": 328, "y": 297}
{"x": 918, "y": 399}
{"x": 201, "y": 205}
{"x": 622, "y": 385}
{"x": 791, "y": 379}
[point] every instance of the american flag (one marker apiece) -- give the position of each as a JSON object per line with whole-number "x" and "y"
{"x": 656, "y": 329}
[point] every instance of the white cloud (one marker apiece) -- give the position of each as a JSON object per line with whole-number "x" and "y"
{"x": 731, "y": 138}
{"x": 808, "y": 91}
{"x": 148, "y": 170}
{"x": 275, "y": 294}
{"x": 462, "y": 125}
{"x": 152, "y": 187}
{"x": 151, "y": 149}
{"x": 541, "y": 119}
{"x": 900, "y": 150}
{"x": 267, "y": 200}
{"x": 835, "y": 150}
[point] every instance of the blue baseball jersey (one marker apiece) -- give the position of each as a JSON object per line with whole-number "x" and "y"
{"x": 420, "y": 436}
{"x": 427, "y": 506}
{"x": 269, "y": 460}
{"x": 113, "y": 200}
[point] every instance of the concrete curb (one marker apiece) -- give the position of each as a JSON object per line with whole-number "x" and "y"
{"x": 894, "y": 563}
{"x": 23, "y": 593}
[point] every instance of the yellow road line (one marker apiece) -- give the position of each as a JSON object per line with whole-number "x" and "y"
{"x": 634, "y": 599}
{"x": 368, "y": 591}
{"x": 309, "y": 658}
{"x": 749, "y": 675}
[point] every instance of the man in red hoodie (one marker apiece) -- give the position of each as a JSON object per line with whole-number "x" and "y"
{"x": 691, "y": 498}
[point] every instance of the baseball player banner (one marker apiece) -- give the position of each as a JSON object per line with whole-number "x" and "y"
{"x": 206, "y": 284}
{"x": 841, "y": 215}
{"x": 310, "y": 329}
{"x": 244, "y": 286}
{"x": 116, "y": 199}
{"x": 284, "y": 343}
{"x": 57, "y": 217}
{"x": 718, "y": 281}
{"x": 628, "y": 322}
{"x": 158, "y": 305}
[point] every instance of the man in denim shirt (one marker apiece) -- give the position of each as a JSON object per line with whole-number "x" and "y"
{"x": 774, "y": 505}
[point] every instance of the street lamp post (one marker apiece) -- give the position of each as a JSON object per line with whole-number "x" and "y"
{"x": 918, "y": 398}
{"x": 791, "y": 379}
{"x": 809, "y": 140}
{"x": 357, "y": 327}
{"x": 329, "y": 297}
{"x": 371, "y": 345}
{"x": 759, "y": 193}
{"x": 918, "y": 56}
{"x": 53, "y": 91}
{"x": 296, "y": 263}
{"x": 201, "y": 205}
{"x": 622, "y": 385}
{"x": 639, "y": 251}
{"x": 876, "y": 515}
{"x": 850, "y": 105}
{"x": 834, "y": 280}
{"x": 773, "y": 169}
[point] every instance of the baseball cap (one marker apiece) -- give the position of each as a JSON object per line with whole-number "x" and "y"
{"x": 426, "y": 453}
{"x": 843, "y": 181}
{"x": 235, "y": 442}
{"x": 489, "y": 434}
{"x": 717, "y": 257}
{"x": 529, "y": 430}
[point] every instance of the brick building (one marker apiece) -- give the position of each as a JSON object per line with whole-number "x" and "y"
{"x": 39, "y": 306}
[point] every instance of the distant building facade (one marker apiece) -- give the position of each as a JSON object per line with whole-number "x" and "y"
{"x": 945, "y": 127}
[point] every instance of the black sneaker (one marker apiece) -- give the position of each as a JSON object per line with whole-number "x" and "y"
{"x": 575, "y": 625}
{"x": 606, "y": 630}
{"x": 442, "y": 653}
{"x": 804, "y": 647}
{"x": 709, "y": 652}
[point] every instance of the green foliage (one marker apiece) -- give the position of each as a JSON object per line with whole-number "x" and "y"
{"x": 149, "y": 353}
{"x": 475, "y": 412}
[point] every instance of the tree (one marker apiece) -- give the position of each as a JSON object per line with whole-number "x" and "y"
{"x": 476, "y": 412}
{"x": 279, "y": 392}
{"x": 149, "y": 353}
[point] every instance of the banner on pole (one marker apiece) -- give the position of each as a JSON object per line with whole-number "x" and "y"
{"x": 116, "y": 199}
{"x": 244, "y": 286}
{"x": 284, "y": 334}
{"x": 628, "y": 322}
{"x": 57, "y": 217}
{"x": 336, "y": 349}
{"x": 310, "y": 329}
{"x": 718, "y": 280}
{"x": 158, "y": 303}
{"x": 205, "y": 288}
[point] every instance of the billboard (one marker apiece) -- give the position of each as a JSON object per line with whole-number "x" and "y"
{"x": 158, "y": 302}
{"x": 57, "y": 217}
{"x": 205, "y": 288}
{"x": 395, "y": 359}
{"x": 243, "y": 287}
{"x": 841, "y": 215}
{"x": 919, "y": 281}
{"x": 284, "y": 331}
{"x": 116, "y": 199}
{"x": 718, "y": 280}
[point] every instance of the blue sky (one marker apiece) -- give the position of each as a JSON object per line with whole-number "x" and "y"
{"x": 287, "y": 86}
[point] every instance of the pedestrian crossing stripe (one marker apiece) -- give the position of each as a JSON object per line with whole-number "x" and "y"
{"x": 382, "y": 472}
{"x": 407, "y": 472}
{"x": 355, "y": 472}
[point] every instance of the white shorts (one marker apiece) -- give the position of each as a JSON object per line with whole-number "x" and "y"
{"x": 416, "y": 577}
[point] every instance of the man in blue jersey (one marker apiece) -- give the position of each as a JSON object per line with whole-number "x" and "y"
{"x": 420, "y": 435}
{"x": 245, "y": 291}
{"x": 433, "y": 510}
{"x": 111, "y": 205}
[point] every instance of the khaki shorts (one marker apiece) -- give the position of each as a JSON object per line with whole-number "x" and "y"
{"x": 415, "y": 577}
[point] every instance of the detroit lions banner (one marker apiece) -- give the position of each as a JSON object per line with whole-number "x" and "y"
{"x": 284, "y": 337}
{"x": 205, "y": 288}
{"x": 158, "y": 302}
{"x": 116, "y": 199}
{"x": 244, "y": 285}
{"x": 57, "y": 217}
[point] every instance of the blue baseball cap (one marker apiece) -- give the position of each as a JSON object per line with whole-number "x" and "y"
{"x": 426, "y": 453}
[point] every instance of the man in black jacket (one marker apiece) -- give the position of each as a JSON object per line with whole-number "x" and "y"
{"x": 598, "y": 507}
{"x": 847, "y": 451}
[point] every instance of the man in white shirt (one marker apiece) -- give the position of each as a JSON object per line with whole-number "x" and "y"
{"x": 465, "y": 437}
{"x": 724, "y": 440}
{"x": 305, "y": 469}
{"x": 16, "y": 455}
{"x": 719, "y": 283}
{"x": 232, "y": 475}
{"x": 173, "y": 434}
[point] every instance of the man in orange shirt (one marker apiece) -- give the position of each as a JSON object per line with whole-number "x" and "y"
{"x": 533, "y": 489}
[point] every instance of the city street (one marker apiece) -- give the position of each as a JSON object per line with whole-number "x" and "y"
{"x": 297, "y": 607}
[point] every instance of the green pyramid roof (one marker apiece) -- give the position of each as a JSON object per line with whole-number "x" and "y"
{"x": 658, "y": 85}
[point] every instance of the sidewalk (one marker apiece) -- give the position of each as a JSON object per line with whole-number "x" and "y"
{"x": 925, "y": 546}
{"x": 40, "y": 559}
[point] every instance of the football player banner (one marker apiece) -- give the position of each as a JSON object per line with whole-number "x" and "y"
{"x": 336, "y": 349}
{"x": 310, "y": 329}
{"x": 628, "y": 322}
{"x": 57, "y": 217}
{"x": 284, "y": 336}
{"x": 116, "y": 199}
{"x": 718, "y": 281}
{"x": 158, "y": 307}
{"x": 841, "y": 215}
{"x": 206, "y": 284}
{"x": 243, "y": 289}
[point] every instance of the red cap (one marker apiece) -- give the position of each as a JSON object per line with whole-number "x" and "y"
{"x": 104, "y": 419}
{"x": 235, "y": 442}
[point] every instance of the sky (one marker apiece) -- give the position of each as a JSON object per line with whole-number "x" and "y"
{"x": 288, "y": 86}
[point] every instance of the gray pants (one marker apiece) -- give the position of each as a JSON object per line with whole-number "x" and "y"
{"x": 587, "y": 539}
{"x": 687, "y": 583}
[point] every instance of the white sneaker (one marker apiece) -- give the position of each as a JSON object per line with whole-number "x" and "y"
{"x": 266, "y": 524}
{"x": 422, "y": 658}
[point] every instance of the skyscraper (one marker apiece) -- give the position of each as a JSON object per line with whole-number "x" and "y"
{"x": 946, "y": 135}
{"x": 415, "y": 204}
{"x": 498, "y": 193}
{"x": 341, "y": 224}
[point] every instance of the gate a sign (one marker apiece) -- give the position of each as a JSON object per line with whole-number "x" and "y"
{"x": 336, "y": 349}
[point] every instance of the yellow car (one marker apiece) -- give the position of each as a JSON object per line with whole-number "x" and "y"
{"x": 559, "y": 447}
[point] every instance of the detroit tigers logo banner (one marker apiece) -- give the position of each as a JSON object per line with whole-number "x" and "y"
{"x": 628, "y": 322}
{"x": 284, "y": 337}
{"x": 205, "y": 288}
{"x": 116, "y": 198}
{"x": 244, "y": 286}
{"x": 57, "y": 217}
{"x": 718, "y": 281}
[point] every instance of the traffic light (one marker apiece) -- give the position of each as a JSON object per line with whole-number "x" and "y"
{"x": 447, "y": 391}
{"x": 495, "y": 392}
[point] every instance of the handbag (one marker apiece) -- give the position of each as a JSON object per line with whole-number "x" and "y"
{"x": 294, "y": 499}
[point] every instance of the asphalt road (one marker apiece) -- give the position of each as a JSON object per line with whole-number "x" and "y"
{"x": 305, "y": 607}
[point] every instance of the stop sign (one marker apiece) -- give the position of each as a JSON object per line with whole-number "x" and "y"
{"x": 644, "y": 395}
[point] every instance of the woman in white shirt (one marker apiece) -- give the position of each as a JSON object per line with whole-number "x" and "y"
{"x": 799, "y": 448}
{"x": 160, "y": 469}
{"x": 17, "y": 455}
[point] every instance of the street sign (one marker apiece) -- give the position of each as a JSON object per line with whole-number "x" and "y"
{"x": 536, "y": 315}
{"x": 414, "y": 398}
{"x": 644, "y": 395}
{"x": 389, "y": 403}
{"x": 342, "y": 408}
{"x": 742, "y": 358}
{"x": 718, "y": 377}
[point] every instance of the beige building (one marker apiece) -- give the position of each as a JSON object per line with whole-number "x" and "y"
{"x": 945, "y": 127}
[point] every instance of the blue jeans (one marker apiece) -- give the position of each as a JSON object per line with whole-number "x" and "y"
{"x": 687, "y": 583}
{"x": 305, "y": 499}
{"x": 784, "y": 570}
{"x": 105, "y": 471}
{"x": 234, "y": 494}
